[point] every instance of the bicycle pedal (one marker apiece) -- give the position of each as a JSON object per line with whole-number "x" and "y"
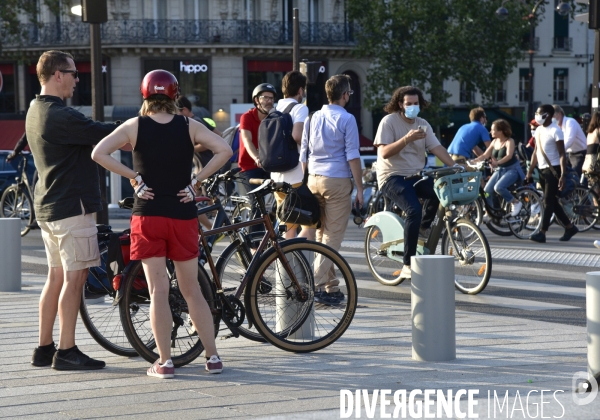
{"x": 225, "y": 337}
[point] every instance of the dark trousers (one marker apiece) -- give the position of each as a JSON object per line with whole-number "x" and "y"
{"x": 551, "y": 201}
{"x": 244, "y": 187}
{"x": 405, "y": 195}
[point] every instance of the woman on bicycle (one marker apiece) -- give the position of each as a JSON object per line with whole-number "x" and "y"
{"x": 164, "y": 223}
{"x": 501, "y": 154}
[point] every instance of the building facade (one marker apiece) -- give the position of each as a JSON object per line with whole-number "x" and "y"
{"x": 221, "y": 49}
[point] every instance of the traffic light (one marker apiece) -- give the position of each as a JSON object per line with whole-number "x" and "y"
{"x": 94, "y": 11}
{"x": 593, "y": 16}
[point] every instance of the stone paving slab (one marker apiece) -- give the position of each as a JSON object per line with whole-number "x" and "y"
{"x": 493, "y": 353}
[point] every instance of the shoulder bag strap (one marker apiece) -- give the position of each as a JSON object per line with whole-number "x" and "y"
{"x": 288, "y": 109}
{"x": 539, "y": 143}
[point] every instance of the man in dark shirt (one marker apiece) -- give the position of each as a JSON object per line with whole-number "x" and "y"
{"x": 67, "y": 195}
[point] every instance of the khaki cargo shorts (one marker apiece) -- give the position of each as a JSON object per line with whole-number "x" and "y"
{"x": 71, "y": 243}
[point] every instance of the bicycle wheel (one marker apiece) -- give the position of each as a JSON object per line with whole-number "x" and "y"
{"x": 231, "y": 267}
{"x": 98, "y": 314}
{"x": 529, "y": 220}
{"x": 472, "y": 211}
{"x": 473, "y": 258}
{"x": 282, "y": 316}
{"x": 385, "y": 270}
{"x": 15, "y": 203}
{"x": 581, "y": 207}
{"x": 134, "y": 308}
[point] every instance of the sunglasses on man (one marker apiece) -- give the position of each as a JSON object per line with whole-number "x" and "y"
{"x": 74, "y": 72}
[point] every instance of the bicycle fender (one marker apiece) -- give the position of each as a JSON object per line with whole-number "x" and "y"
{"x": 390, "y": 224}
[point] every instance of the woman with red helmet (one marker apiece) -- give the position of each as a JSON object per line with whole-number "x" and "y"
{"x": 163, "y": 223}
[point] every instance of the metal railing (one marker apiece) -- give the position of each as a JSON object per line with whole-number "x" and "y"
{"x": 181, "y": 32}
{"x": 525, "y": 44}
{"x": 562, "y": 43}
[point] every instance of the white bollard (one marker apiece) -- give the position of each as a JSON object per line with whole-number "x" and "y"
{"x": 10, "y": 255}
{"x": 433, "y": 308}
{"x": 592, "y": 310}
{"x": 287, "y": 311}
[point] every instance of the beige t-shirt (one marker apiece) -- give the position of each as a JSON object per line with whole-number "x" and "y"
{"x": 412, "y": 158}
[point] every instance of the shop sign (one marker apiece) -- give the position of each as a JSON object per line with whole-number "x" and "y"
{"x": 192, "y": 68}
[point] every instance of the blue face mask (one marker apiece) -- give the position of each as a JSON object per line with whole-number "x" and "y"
{"x": 411, "y": 111}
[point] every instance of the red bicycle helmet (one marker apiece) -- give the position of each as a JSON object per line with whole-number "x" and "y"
{"x": 159, "y": 82}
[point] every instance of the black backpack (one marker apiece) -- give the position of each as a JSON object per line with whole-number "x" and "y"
{"x": 277, "y": 149}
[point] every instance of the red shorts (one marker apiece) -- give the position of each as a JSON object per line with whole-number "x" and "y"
{"x": 157, "y": 236}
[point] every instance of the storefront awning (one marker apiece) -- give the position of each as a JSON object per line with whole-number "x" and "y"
{"x": 366, "y": 145}
{"x": 10, "y": 132}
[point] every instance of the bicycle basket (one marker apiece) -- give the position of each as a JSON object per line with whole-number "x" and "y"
{"x": 460, "y": 188}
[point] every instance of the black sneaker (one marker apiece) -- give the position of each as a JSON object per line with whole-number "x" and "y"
{"x": 338, "y": 295}
{"x": 42, "y": 356}
{"x": 538, "y": 237}
{"x": 569, "y": 233}
{"x": 76, "y": 360}
{"x": 326, "y": 299}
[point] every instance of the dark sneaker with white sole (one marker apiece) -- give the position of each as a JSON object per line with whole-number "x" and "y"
{"x": 338, "y": 295}
{"x": 75, "y": 360}
{"x": 325, "y": 298}
{"x": 164, "y": 371}
{"x": 214, "y": 364}
{"x": 42, "y": 356}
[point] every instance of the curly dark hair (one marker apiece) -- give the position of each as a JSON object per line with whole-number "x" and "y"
{"x": 594, "y": 122}
{"x": 398, "y": 97}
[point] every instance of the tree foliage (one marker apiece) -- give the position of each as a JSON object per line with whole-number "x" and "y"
{"x": 11, "y": 12}
{"x": 425, "y": 42}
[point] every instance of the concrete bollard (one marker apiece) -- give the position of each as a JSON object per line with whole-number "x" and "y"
{"x": 10, "y": 255}
{"x": 287, "y": 311}
{"x": 592, "y": 310}
{"x": 432, "y": 308}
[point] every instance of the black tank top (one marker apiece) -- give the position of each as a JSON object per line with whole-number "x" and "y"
{"x": 501, "y": 153}
{"x": 163, "y": 156}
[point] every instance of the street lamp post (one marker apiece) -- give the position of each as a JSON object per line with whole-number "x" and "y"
{"x": 562, "y": 9}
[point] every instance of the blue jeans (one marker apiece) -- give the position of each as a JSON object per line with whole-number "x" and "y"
{"x": 406, "y": 196}
{"x": 501, "y": 180}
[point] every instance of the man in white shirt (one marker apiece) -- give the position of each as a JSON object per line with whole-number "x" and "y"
{"x": 549, "y": 155}
{"x": 575, "y": 139}
{"x": 293, "y": 86}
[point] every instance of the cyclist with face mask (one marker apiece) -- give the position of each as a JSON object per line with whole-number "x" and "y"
{"x": 402, "y": 139}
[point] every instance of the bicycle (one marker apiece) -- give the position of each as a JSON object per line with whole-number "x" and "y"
{"x": 529, "y": 219}
{"x": 17, "y": 200}
{"x": 278, "y": 291}
{"x": 461, "y": 238}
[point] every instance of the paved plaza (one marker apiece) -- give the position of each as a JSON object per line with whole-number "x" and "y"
{"x": 494, "y": 353}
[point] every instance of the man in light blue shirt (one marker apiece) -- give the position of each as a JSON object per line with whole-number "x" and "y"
{"x": 468, "y": 137}
{"x": 330, "y": 148}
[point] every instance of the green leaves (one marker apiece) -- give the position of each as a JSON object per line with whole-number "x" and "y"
{"x": 424, "y": 43}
